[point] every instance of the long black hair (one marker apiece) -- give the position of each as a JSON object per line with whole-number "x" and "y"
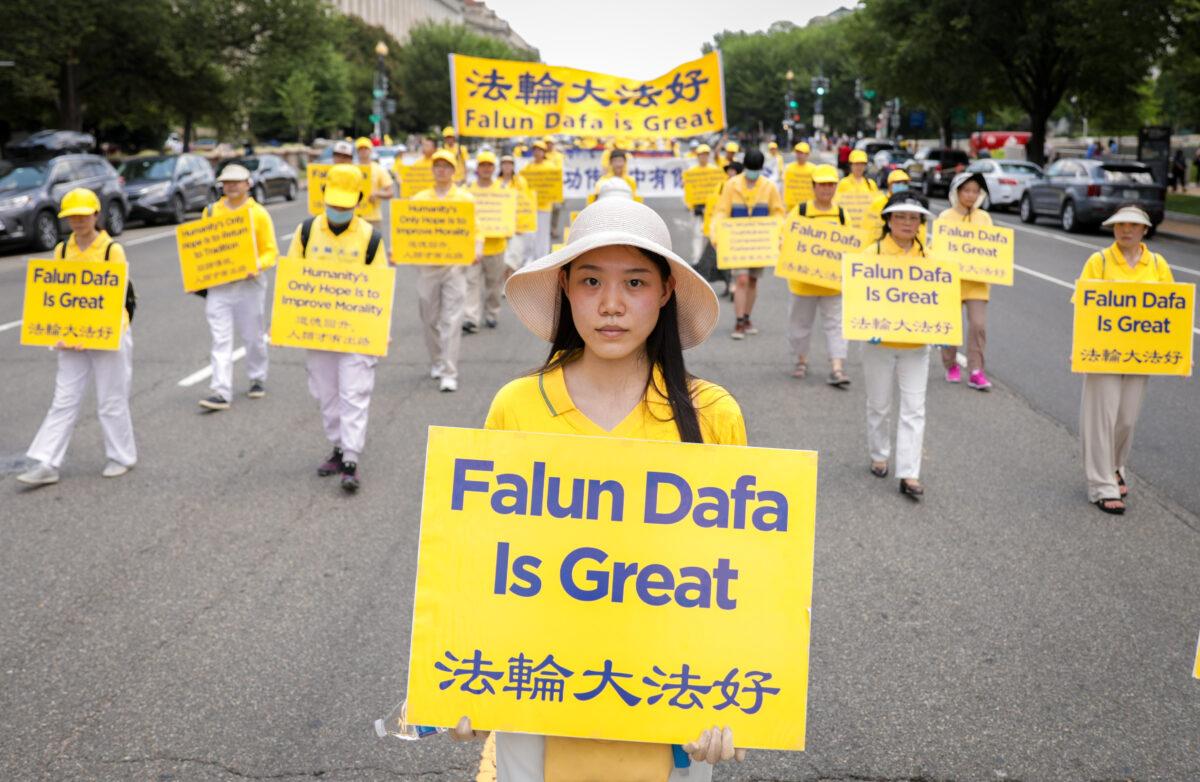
{"x": 663, "y": 350}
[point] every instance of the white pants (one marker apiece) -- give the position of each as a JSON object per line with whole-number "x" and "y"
{"x": 1107, "y": 417}
{"x": 517, "y": 250}
{"x": 113, "y": 370}
{"x": 484, "y": 281}
{"x": 236, "y": 304}
{"x": 697, "y": 238}
{"x": 909, "y": 368}
{"x": 802, "y": 311}
{"x": 441, "y": 298}
{"x": 342, "y": 384}
{"x": 541, "y": 239}
{"x": 520, "y": 758}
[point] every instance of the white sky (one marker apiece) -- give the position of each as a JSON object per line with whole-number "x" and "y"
{"x": 642, "y": 39}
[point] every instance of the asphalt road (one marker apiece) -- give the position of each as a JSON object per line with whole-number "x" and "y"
{"x": 221, "y": 613}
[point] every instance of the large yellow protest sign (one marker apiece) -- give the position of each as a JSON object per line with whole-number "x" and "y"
{"x": 901, "y": 298}
{"x": 504, "y": 98}
{"x": 812, "y": 251}
{"x": 855, "y": 205}
{"x": 527, "y": 209}
{"x": 1133, "y": 328}
{"x": 414, "y": 179}
{"x": 747, "y": 242}
{"x": 329, "y": 305}
{"x": 496, "y": 211}
{"x": 216, "y": 250}
{"x": 78, "y": 303}
{"x": 984, "y": 252}
{"x": 558, "y": 577}
{"x": 433, "y": 232}
{"x": 797, "y": 187}
{"x": 547, "y": 182}
{"x": 698, "y": 183}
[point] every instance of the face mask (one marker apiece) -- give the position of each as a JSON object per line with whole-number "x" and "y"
{"x": 752, "y": 175}
{"x": 338, "y": 216}
{"x": 899, "y": 187}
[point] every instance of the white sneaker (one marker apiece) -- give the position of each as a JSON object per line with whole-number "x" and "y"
{"x": 41, "y": 474}
{"x": 114, "y": 469}
{"x": 435, "y": 373}
{"x": 448, "y": 384}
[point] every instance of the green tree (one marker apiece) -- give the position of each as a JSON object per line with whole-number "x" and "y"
{"x": 298, "y": 101}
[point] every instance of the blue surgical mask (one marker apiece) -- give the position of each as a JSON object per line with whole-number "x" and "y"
{"x": 752, "y": 175}
{"x": 899, "y": 187}
{"x": 338, "y": 216}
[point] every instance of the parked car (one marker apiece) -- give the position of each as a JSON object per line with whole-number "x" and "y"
{"x": 270, "y": 175}
{"x": 1083, "y": 193}
{"x": 46, "y": 144}
{"x": 873, "y": 145}
{"x": 30, "y": 193}
{"x": 886, "y": 161}
{"x": 166, "y": 187}
{"x": 933, "y": 168}
{"x": 1006, "y": 180}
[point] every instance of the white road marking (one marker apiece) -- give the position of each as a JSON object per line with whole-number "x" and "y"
{"x": 204, "y": 374}
{"x": 12, "y": 324}
{"x": 1080, "y": 242}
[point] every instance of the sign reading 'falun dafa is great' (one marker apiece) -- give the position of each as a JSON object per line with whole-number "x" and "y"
{"x": 504, "y": 98}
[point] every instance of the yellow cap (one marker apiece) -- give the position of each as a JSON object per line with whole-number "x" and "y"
{"x": 449, "y": 131}
{"x": 858, "y": 156}
{"x": 548, "y": 139}
{"x": 363, "y": 141}
{"x": 446, "y": 156}
{"x": 802, "y": 147}
{"x": 79, "y": 201}
{"x": 772, "y": 145}
{"x": 732, "y": 147}
{"x": 703, "y": 148}
{"x": 539, "y": 145}
{"x": 824, "y": 174}
{"x": 484, "y": 157}
{"x": 898, "y": 175}
{"x": 343, "y": 186}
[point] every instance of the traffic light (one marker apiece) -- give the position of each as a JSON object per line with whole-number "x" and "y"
{"x": 793, "y": 104}
{"x": 820, "y": 89}
{"x": 869, "y": 94}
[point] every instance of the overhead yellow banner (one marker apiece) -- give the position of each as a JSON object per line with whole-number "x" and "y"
{"x": 747, "y": 242}
{"x": 496, "y": 211}
{"x": 797, "y": 187}
{"x": 414, "y": 179}
{"x": 901, "y": 298}
{"x": 527, "y": 209}
{"x": 698, "y": 183}
{"x": 855, "y": 205}
{"x": 984, "y": 252}
{"x": 216, "y": 250}
{"x": 559, "y": 578}
{"x": 329, "y": 305}
{"x": 78, "y": 303}
{"x": 1133, "y": 328}
{"x": 547, "y": 182}
{"x": 812, "y": 251}
{"x": 504, "y": 98}
{"x": 432, "y": 233}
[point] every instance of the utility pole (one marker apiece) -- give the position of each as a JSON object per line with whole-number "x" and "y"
{"x": 378, "y": 115}
{"x": 820, "y": 86}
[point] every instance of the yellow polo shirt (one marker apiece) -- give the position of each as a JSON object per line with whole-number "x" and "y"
{"x": 1110, "y": 264}
{"x": 350, "y": 246}
{"x": 887, "y": 246}
{"x": 260, "y": 223}
{"x": 971, "y": 289}
{"x": 739, "y": 192}
{"x": 851, "y": 185}
{"x": 812, "y": 212}
{"x": 369, "y": 208}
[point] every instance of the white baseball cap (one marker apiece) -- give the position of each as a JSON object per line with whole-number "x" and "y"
{"x": 234, "y": 173}
{"x": 343, "y": 148}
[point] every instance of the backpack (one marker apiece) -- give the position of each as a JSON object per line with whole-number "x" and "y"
{"x": 803, "y": 210}
{"x": 306, "y": 232}
{"x": 130, "y": 295}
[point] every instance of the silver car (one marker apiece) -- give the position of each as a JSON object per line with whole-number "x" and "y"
{"x": 1006, "y": 179}
{"x": 1082, "y": 193}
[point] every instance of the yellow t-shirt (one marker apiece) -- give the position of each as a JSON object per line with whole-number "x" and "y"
{"x": 739, "y": 195}
{"x": 491, "y": 245}
{"x": 1110, "y": 264}
{"x": 369, "y": 208}
{"x": 851, "y": 185}
{"x": 70, "y": 251}
{"x": 813, "y": 212}
{"x": 260, "y": 223}
{"x": 350, "y": 246}
{"x": 971, "y": 289}
{"x": 887, "y": 246}
{"x": 628, "y": 180}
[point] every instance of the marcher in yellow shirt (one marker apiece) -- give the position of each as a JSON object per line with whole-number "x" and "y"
{"x": 602, "y": 378}
{"x": 747, "y": 195}
{"x": 1111, "y": 403}
{"x": 703, "y": 160}
{"x": 484, "y": 279}
{"x": 518, "y": 247}
{"x": 776, "y": 163}
{"x": 857, "y": 181}
{"x": 807, "y": 300}
{"x": 731, "y": 150}
{"x": 380, "y": 184}
{"x": 617, "y": 163}
{"x": 451, "y": 145}
{"x": 541, "y": 240}
{"x": 967, "y": 196}
{"x": 112, "y": 369}
{"x": 799, "y": 173}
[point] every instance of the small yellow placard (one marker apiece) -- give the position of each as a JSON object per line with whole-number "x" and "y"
{"x": 812, "y": 251}
{"x": 1133, "y": 328}
{"x": 547, "y": 182}
{"x": 496, "y": 211}
{"x": 797, "y": 187}
{"x": 984, "y": 252}
{"x": 747, "y": 242}
{"x": 315, "y": 180}
{"x": 901, "y": 298}
{"x": 433, "y": 233}
{"x": 334, "y": 306}
{"x": 527, "y": 212}
{"x": 78, "y": 303}
{"x": 855, "y": 205}
{"x": 414, "y": 179}
{"x": 558, "y": 575}
{"x": 216, "y": 250}
{"x": 699, "y": 182}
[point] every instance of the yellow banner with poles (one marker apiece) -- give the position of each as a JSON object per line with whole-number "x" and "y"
{"x": 1133, "y": 328}
{"x": 334, "y": 306}
{"x": 559, "y": 578}
{"x": 433, "y": 233}
{"x": 78, "y": 303}
{"x": 747, "y": 242}
{"x": 901, "y": 298}
{"x": 216, "y": 250}
{"x": 812, "y": 251}
{"x": 984, "y": 252}
{"x": 506, "y": 98}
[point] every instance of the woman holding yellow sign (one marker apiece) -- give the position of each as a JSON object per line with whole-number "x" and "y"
{"x": 113, "y": 369}
{"x": 1111, "y": 403}
{"x": 967, "y": 198}
{"x": 619, "y": 307}
{"x": 509, "y": 179}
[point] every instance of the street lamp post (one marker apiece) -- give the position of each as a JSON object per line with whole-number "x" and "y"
{"x": 380, "y": 91}
{"x": 788, "y": 123}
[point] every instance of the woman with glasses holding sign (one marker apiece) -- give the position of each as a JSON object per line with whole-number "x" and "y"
{"x": 619, "y": 307}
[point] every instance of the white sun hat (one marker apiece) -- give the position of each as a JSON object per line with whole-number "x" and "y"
{"x": 907, "y": 202}
{"x": 1130, "y": 214}
{"x": 614, "y": 187}
{"x": 533, "y": 291}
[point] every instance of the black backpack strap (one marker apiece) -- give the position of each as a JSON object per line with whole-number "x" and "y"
{"x": 305, "y": 232}
{"x": 373, "y": 245}
{"x": 130, "y": 293}
{"x": 803, "y": 209}
{"x": 108, "y": 250}
{"x": 841, "y": 215}
{"x": 61, "y": 249}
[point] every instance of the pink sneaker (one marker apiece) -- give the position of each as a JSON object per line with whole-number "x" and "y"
{"x": 979, "y": 381}
{"x": 954, "y": 374}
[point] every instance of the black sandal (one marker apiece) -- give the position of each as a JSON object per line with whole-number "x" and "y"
{"x": 1122, "y": 486}
{"x": 914, "y": 493}
{"x": 879, "y": 472}
{"x": 838, "y": 379}
{"x": 1101, "y": 504}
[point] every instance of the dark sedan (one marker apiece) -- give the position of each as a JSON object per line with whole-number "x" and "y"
{"x": 30, "y": 194}
{"x": 270, "y": 175}
{"x": 164, "y": 188}
{"x": 1082, "y": 193}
